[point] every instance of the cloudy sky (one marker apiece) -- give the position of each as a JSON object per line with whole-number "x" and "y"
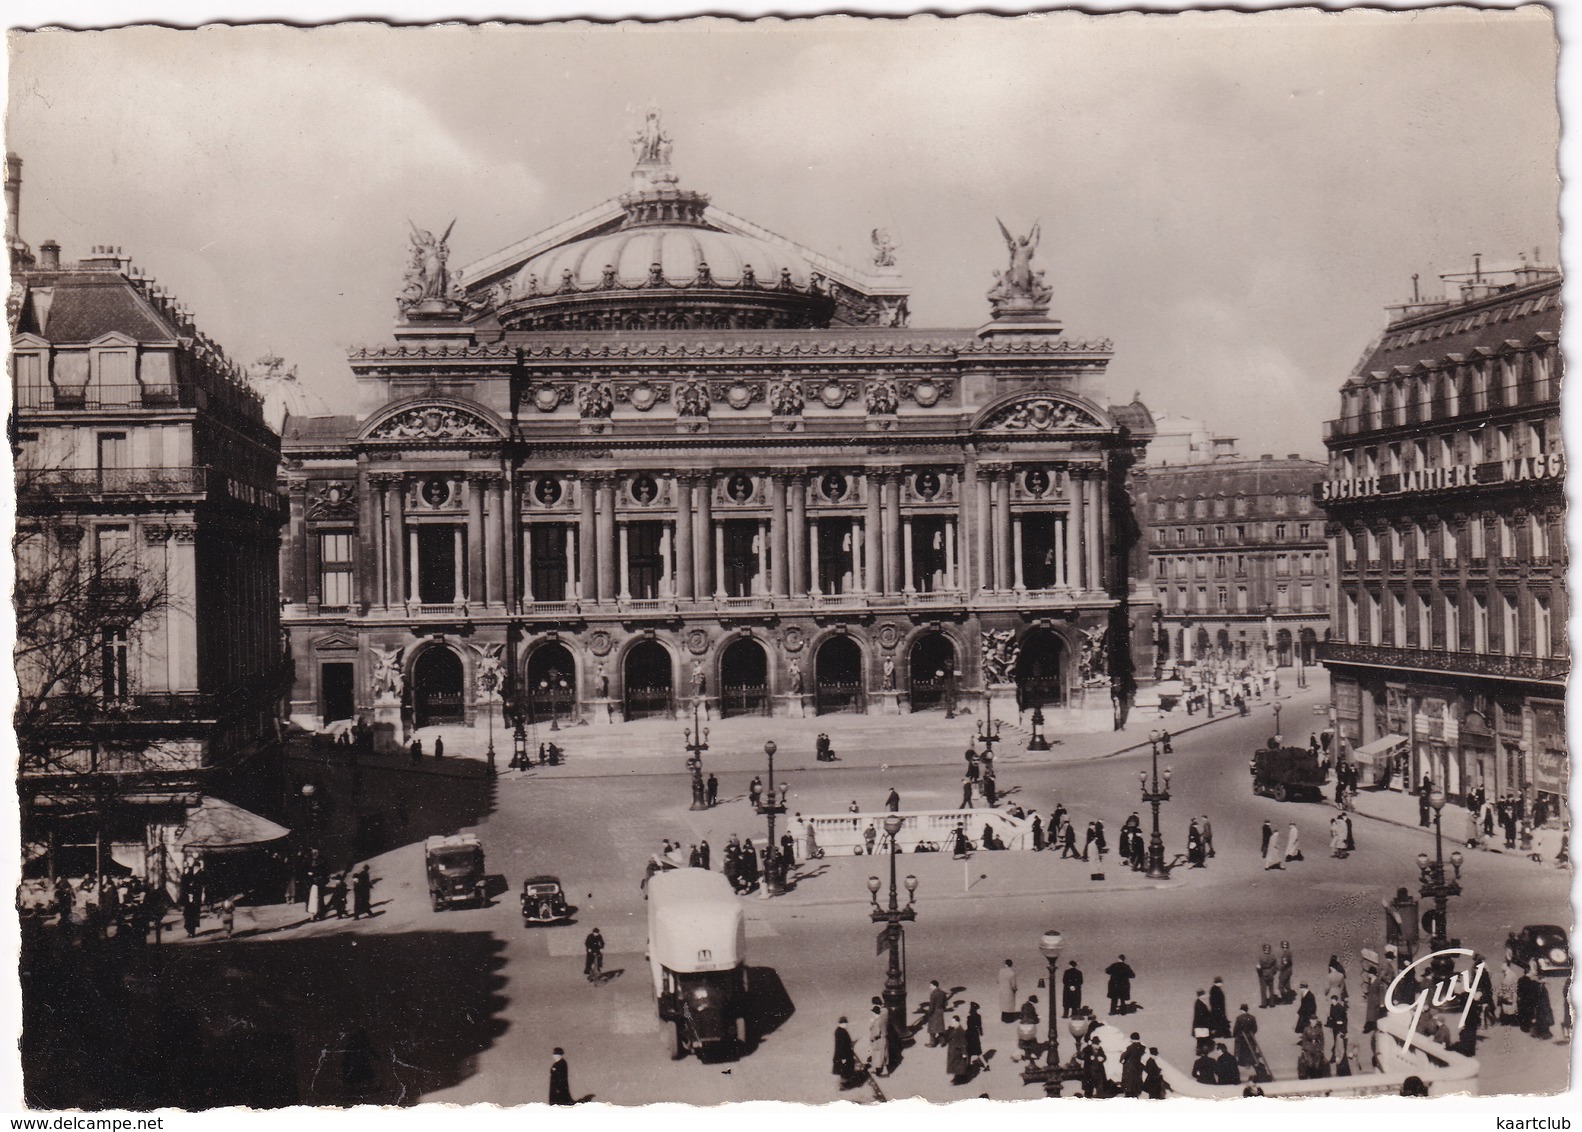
{"x": 1231, "y": 198}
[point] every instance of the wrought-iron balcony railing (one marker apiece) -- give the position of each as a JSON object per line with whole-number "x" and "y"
{"x": 114, "y": 481}
{"x": 1440, "y": 660}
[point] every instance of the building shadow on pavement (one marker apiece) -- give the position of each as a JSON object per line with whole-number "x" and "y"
{"x": 769, "y": 1005}
{"x": 326, "y": 1020}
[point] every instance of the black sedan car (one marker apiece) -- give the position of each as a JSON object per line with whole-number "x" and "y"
{"x": 1544, "y": 944}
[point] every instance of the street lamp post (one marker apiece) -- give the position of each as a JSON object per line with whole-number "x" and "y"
{"x": 774, "y": 880}
{"x": 894, "y": 935}
{"x": 519, "y": 745}
{"x": 988, "y": 728}
{"x": 695, "y": 748}
{"x": 1038, "y": 742}
{"x": 488, "y": 683}
{"x": 1436, "y": 887}
{"x": 1050, "y": 1075}
{"x": 1157, "y": 870}
{"x": 1277, "y": 719}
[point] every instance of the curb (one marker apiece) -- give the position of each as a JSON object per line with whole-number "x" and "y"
{"x": 1066, "y": 891}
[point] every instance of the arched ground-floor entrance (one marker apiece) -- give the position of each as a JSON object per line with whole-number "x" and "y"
{"x": 648, "y": 680}
{"x": 838, "y": 676}
{"x": 1040, "y": 670}
{"x": 551, "y": 684}
{"x": 931, "y": 666}
{"x": 1282, "y": 648}
{"x": 1309, "y": 646}
{"x": 436, "y": 687}
{"x": 744, "y": 679}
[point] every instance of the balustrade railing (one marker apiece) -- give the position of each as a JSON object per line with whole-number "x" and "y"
{"x": 1438, "y": 660}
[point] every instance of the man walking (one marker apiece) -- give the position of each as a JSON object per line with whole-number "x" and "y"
{"x": 362, "y": 894}
{"x": 1306, "y": 1009}
{"x": 1267, "y": 966}
{"x": 713, "y": 789}
{"x": 893, "y": 802}
{"x": 1206, "y": 832}
{"x": 1423, "y": 792}
{"x": 1120, "y": 985}
{"x": 559, "y": 1079}
{"x": 938, "y": 1000}
{"x": 1071, "y": 990}
{"x": 1219, "y": 1016}
{"x": 1007, "y": 981}
{"x": 1202, "y": 1023}
{"x": 966, "y": 792}
{"x": 1287, "y": 967}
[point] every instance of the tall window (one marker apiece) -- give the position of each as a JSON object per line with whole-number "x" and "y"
{"x": 1539, "y": 533}
{"x": 1241, "y": 599}
{"x": 1279, "y": 532}
{"x": 1282, "y": 598}
{"x": 1348, "y": 630}
{"x": 1419, "y": 540}
{"x": 1202, "y": 598}
{"x": 1304, "y": 530}
{"x": 335, "y": 568}
{"x": 1480, "y": 624}
{"x": 1223, "y": 598}
{"x": 1370, "y": 540}
{"x": 1282, "y": 564}
{"x": 113, "y": 552}
{"x": 1398, "y": 620}
{"x": 1448, "y": 530}
{"x": 1397, "y": 545}
{"x": 1477, "y": 548}
{"x": 1511, "y": 625}
{"x": 1307, "y": 597}
{"x": 1543, "y": 626}
{"x": 1425, "y": 622}
{"x": 1375, "y": 617}
{"x": 1507, "y": 533}
{"x": 112, "y": 664}
{"x": 1452, "y": 624}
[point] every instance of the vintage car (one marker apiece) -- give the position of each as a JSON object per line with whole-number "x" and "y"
{"x": 544, "y": 901}
{"x": 1545, "y": 944}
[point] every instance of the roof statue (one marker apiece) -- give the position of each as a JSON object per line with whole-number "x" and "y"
{"x": 883, "y": 248}
{"x": 426, "y": 288}
{"x": 652, "y": 147}
{"x": 1019, "y": 289}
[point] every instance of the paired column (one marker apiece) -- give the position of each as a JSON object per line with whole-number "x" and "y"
{"x": 605, "y": 540}
{"x": 494, "y": 539}
{"x": 684, "y": 538}
{"x": 892, "y": 533}
{"x": 812, "y": 557}
{"x": 703, "y": 540}
{"x": 587, "y": 540}
{"x": 950, "y": 554}
{"x": 983, "y": 544}
{"x": 296, "y": 532}
{"x": 778, "y": 536}
{"x": 1077, "y": 542}
{"x": 1096, "y": 533}
{"x": 1018, "y": 582}
{"x": 526, "y": 592}
{"x": 799, "y": 535}
{"x": 872, "y": 536}
{"x": 574, "y": 544}
{"x": 415, "y": 561}
{"x": 907, "y": 581}
{"x": 626, "y": 562}
{"x": 459, "y": 549}
{"x": 475, "y": 559}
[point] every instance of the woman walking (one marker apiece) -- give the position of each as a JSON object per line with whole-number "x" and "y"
{"x": 1273, "y": 858}
{"x": 1293, "y": 844}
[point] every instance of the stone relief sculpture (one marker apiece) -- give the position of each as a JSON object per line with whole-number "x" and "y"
{"x": 1094, "y": 664}
{"x": 883, "y": 396}
{"x": 595, "y": 400}
{"x": 1000, "y": 653}
{"x": 794, "y": 675}
{"x": 1041, "y": 414}
{"x": 692, "y": 399}
{"x": 889, "y": 674}
{"x": 388, "y": 681}
{"x": 488, "y": 678}
{"x": 1019, "y": 288}
{"x": 434, "y": 423}
{"x": 786, "y": 398}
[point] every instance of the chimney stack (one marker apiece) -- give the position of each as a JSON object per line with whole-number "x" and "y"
{"x": 13, "y": 199}
{"x": 49, "y": 255}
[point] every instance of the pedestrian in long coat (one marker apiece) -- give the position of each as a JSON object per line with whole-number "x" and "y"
{"x": 1205, "y": 1070}
{"x": 1069, "y": 843}
{"x": 1351, "y": 840}
{"x": 1306, "y": 1011}
{"x": 958, "y": 1066}
{"x": 191, "y": 912}
{"x": 1153, "y": 1076}
{"x": 1268, "y": 834}
{"x": 1194, "y": 845}
{"x": 1098, "y": 840}
{"x": 1543, "y": 1013}
{"x": 975, "y": 1037}
{"x": 439, "y": 747}
{"x": 966, "y": 792}
{"x": 1071, "y": 990}
{"x": 961, "y": 848}
{"x": 1120, "y": 985}
{"x": 1207, "y": 832}
{"x": 713, "y": 786}
{"x": 1202, "y": 1024}
{"x": 1337, "y": 1023}
{"x": 1245, "y": 1033}
{"x": 1219, "y": 1023}
{"x": 1094, "y": 1079}
{"x": 559, "y": 1079}
{"x": 844, "y": 1064}
{"x": 1337, "y": 837}
{"x": 878, "y": 1051}
{"x": 1293, "y": 845}
{"x": 1335, "y": 978}
{"x": 1225, "y": 1069}
{"x": 362, "y": 894}
{"x": 1132, "y": 1068}
{"x": 1287, "y": 970}
{"x": 1006, "y": 977}
{"x": 938, "y": 1000}
{"x": 1038, "y": 833}
{"x": 1273, "y": 858}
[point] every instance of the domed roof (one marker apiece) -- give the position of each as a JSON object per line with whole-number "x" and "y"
{"x": 283, "y": 395}
{"x": 683, "y": 252}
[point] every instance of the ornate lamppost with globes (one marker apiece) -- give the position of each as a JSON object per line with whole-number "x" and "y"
{"x": 893, "y": 936}
{"x": 1052, "y": 1072}
{"x": 774, "y": 880}
{"x": 1157, "y": 870}
{"x": 1436, "y": 887}
{"x": 988, "y": 727}
{"x": 698, "y": 742}
{"x": 487, "y": 683}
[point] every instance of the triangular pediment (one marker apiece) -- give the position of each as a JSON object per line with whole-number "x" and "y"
{"x": 335, "y": 642}
{"x": 112, "y": 339}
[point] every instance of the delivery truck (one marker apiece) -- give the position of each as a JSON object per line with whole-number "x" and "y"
{"x": 696, "y": 947}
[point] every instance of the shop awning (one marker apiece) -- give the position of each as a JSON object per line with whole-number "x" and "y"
{"x": 217, "y": 824}
{"x": 1380, "y": 748}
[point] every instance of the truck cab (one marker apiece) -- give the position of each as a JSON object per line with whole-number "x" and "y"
{"x": 455, "y": 870}
{"x": 696, "y": 945}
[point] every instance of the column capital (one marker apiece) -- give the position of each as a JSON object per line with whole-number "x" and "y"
{"x": 487, "y": 478}
{"x": 297, "y": 487}
{"x": 386, "y": 480}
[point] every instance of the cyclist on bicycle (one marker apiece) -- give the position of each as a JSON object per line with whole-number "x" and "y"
{"x": 593, "y": 964}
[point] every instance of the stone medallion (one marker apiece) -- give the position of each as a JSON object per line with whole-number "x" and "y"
{"x": 600, "y": 643}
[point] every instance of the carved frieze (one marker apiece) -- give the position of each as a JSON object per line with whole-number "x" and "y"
{"x": 435, "y": 422}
